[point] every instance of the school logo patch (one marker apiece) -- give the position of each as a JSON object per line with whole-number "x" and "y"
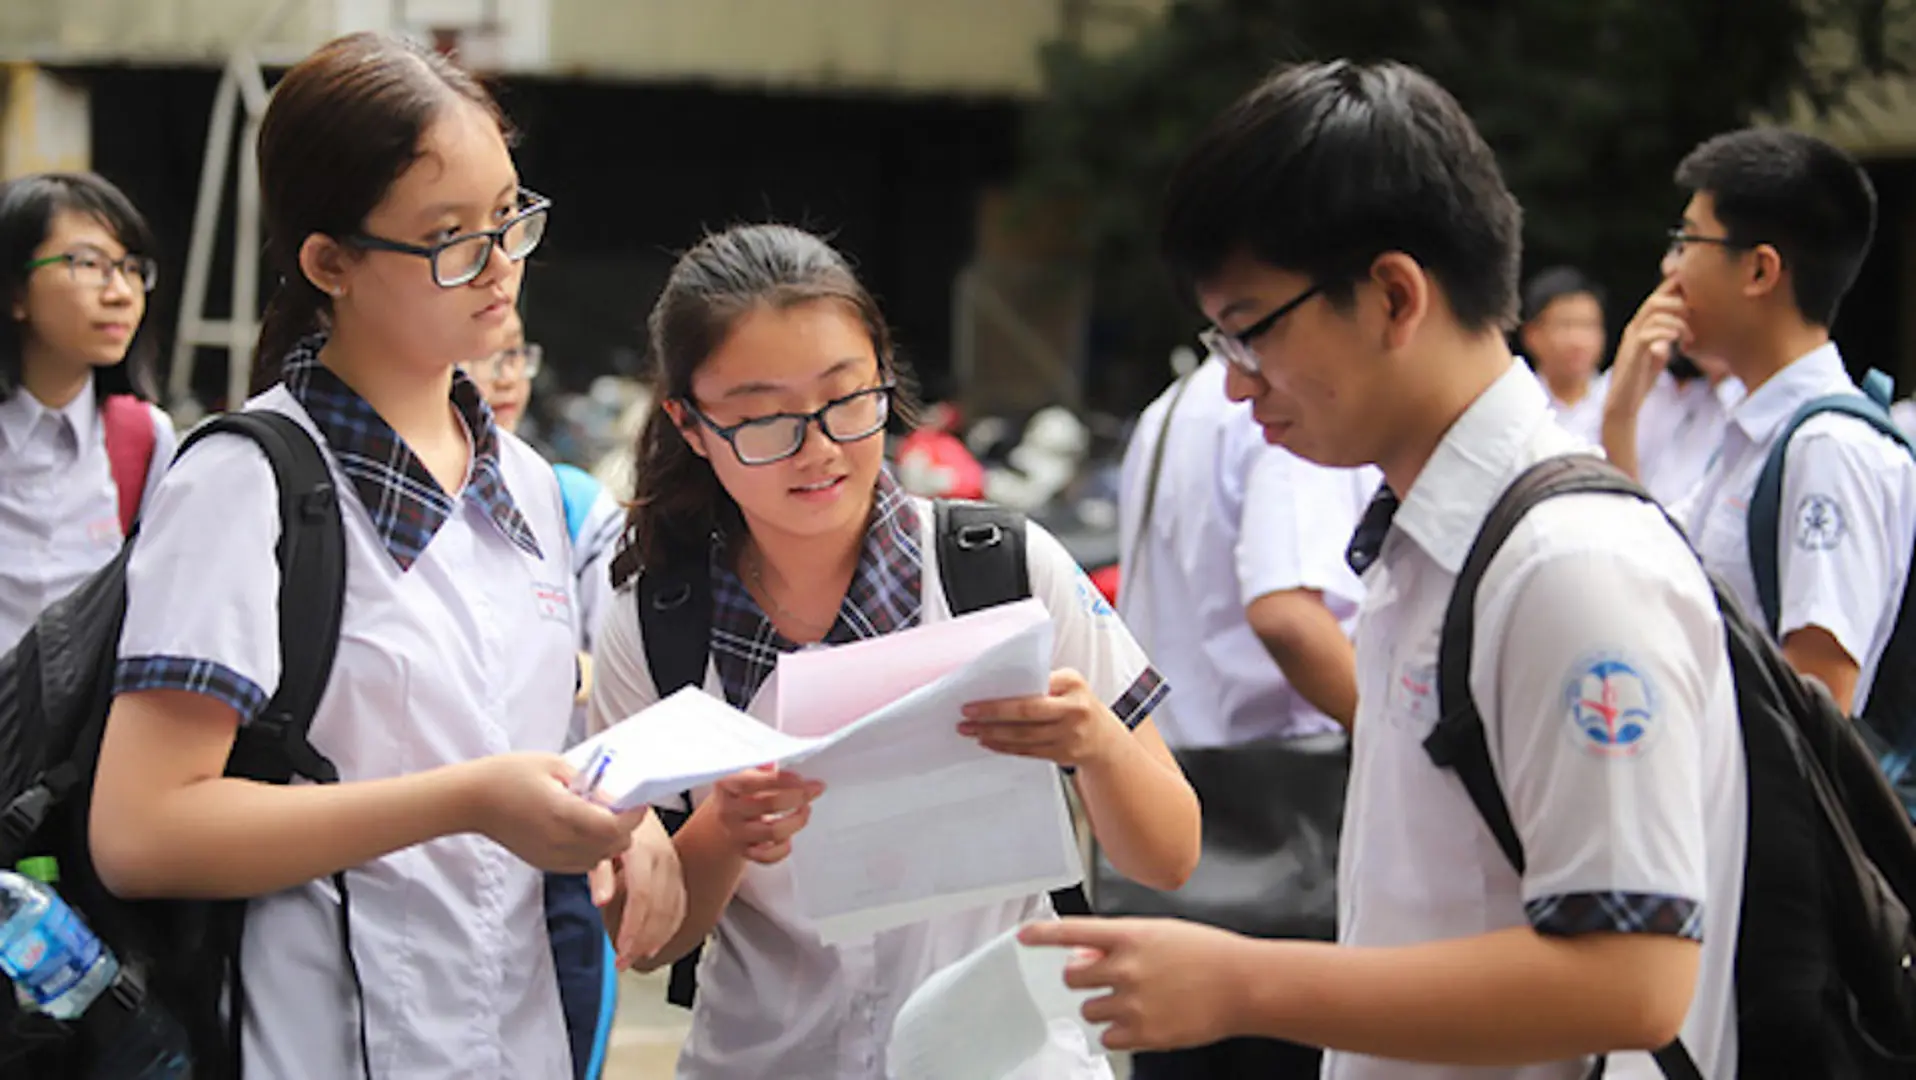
{"x": 1091, "y": 599}
{"x": 1820, "y": 524}
{"x": 553, "y": 601}
{"x": 1611, "y": 706}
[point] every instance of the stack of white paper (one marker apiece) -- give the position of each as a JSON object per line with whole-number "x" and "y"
{"x": 986, "y": 1015}
{"x": 917, "y": 820}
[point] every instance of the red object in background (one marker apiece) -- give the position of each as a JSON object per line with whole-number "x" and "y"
{"x": 1106, "y": 579}
{"x": 936, "y": 465}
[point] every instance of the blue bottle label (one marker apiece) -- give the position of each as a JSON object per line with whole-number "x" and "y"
{"x": 53, "y": 955}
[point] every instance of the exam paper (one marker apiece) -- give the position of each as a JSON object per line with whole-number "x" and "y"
{"x": 987, "y": 1015}
{"x": 917, "y": 820}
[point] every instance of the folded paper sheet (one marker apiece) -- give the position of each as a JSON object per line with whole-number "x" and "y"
{"x": 986, "y": 1015}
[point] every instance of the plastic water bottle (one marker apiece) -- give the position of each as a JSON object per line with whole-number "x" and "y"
{"x": 59, "y": 967}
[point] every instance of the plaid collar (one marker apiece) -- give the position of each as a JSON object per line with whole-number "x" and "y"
{"x": 886, "y": 595}
{"x": 406, "y": 504}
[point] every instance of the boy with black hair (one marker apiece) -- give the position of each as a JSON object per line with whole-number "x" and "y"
{"x": 1562, "y": 336}
{"x": 1346, "y": 231}
{"x": 1776, "y": 229}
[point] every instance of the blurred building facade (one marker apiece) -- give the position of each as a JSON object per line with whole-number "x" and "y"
{"x": 887, "y": 124}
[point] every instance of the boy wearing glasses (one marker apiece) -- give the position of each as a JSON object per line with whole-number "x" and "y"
{"x": 1774, "y": 234}
{"x": 1365, "y": 190}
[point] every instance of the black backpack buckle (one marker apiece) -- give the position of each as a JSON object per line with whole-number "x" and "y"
{"x": 22, "y": 819}
{"x": 976, "y": 537}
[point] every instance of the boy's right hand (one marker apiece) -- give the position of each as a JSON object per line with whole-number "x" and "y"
{"x": 1646, "y": 346}
{"x": 525, "y": 803}
{"x": 761, "y": 809}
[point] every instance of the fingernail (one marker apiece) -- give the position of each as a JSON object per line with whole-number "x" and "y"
{"x": 967, "y": 729}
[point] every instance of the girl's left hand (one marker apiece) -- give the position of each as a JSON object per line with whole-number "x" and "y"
{"x": 1068, "y": 725}
{"x": 642, "y": 893}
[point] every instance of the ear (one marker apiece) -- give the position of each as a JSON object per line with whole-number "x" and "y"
{"x": 325, "y": 263}
{"x": 1406, "y": 291}
{"x": 689, "y": 427}
{"x": 1762, "y": 270}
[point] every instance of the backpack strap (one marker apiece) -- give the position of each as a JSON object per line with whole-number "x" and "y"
{"x": 981, "y": 561}
{"x": 981, "y": 555}
{"x": 675, "y": 625}
{"x": 1766, "y": 510}
{"x": 1459, "y": 741}
{"x": 129, "y": 451}
{"x": 275, "y": 746}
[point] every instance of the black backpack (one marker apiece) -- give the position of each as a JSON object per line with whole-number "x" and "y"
{"x": 1824, "y": 986}
{"x": 56, "y": 686}
{"x": 981, "y": 561}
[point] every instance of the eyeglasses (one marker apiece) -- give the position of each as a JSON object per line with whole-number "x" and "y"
{"x": 91, "y": 269}
{"x": 517, "y": 362}
{"x": 1678, "y": 238}
{"x": 1236, "y": 348}
{"x": 462, "y": 258}
{"x": 765, "y": 439}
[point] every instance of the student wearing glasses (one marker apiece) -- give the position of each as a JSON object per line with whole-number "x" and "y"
{"x": 397, "y": 221}
{"x": 763, "y": 461}
{"x": 80, "y": 447}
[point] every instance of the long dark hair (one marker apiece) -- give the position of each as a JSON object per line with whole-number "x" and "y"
{"x": 678, "y": 503}
{"x": 343, "y": 125}
{"x": 28, "y": 206}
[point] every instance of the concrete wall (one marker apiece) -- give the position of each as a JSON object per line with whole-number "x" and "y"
{"x": 44, "y": 122}
{"x": 984, "y": 47}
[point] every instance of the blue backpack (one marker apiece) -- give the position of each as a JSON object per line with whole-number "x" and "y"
{"x": 1889, "y": 717}
{"x": 581, "y": 951}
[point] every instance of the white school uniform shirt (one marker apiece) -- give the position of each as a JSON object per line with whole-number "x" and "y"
{"x": 1585, "y": 418}
{"x": 1236, "y": 519}
{"x": 1848, "y": 514}
{"x": 59, "y": 508}
{"x": 1679, "y": 430}
{"x": 775, "y": 1001}
{"x": 457, "y": 642}
{"x": 1598, "y": 663}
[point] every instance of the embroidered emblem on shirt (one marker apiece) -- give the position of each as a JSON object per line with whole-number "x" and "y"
{"x": 1820, "y": 524}
{"x": 553, "y": 601}
{"x": 1413, "y": 695}
{"x": 1611, "y": 706}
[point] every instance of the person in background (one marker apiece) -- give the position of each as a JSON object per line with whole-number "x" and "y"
{"x": 80, "y": 445}
{"x": 1562, "y": 337}
{"x": 581, "y": 950}
{"x": 1773, "y": 236}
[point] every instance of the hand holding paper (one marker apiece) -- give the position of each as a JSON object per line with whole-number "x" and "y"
{"x": 761, "y": 809}
{"x": 1067, "y": 725}
{"x": 987, "y": 1015}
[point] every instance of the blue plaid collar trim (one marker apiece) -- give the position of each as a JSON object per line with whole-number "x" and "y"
{"x": 406, "y": 504}
{"x": 886, "y": 596}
